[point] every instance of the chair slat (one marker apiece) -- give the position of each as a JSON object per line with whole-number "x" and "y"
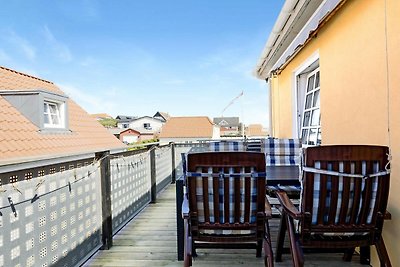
{"x": 334, "y": 195}
{"x": 247, "y": 199}
{"x": 322, "y": 194}
{"x": 344, "y": 207}
{"x": 357, "y": 193}
{"x": 367, "y": 195}
{"x": 236, "y": 192}
{"x": 226, "y": 199}
{"x": 206, "y": 200}
{"x": 216, "y": 196}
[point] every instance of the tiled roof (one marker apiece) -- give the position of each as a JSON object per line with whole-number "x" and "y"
{"x": 20, "y": 138}
{"x": 255, "y": 130}
{"x": 179, "y": 127}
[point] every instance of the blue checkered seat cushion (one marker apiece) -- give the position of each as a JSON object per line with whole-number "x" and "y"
{"x": 283, "y": 160}
{"x": 226, "y": 146}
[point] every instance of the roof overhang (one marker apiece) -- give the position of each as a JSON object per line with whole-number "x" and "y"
{"x": 297, "y": 23}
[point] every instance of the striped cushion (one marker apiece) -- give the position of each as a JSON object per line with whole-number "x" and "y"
{"x": 316, "y": 192}
{"x": 275, "y": 146}
{"x": 221, "y": 219}
{"x": 280, "y": 160}
{"x": 226, "y": 146}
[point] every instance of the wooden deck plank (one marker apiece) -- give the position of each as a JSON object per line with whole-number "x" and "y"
{"x": 150, "y": 240}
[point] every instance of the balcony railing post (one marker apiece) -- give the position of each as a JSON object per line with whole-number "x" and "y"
{"x": 153, "y": 177}
{"x": 179, "y": 221}
{"x": 105, "y": 173}
{"x": 173, "y": 162}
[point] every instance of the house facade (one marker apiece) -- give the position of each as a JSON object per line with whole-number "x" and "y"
{"x": 123, "y": 121}
{"x": 256, "y": 131}
{"x": 230, "y": 126}
{"x": 38, "y": 121}
{"x": 188, "y": 129}
{"x": 332, "y": 70}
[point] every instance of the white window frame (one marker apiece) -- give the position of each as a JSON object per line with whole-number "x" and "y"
{"x": 299, "y": 81}
{"x": 57, "y": 112}
{"x": 313, "y": 123}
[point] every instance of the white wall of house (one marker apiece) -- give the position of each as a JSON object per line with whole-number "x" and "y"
{"x": 216, "y": 132}
{"x": 154, "y": 124}
{"x": 130, "y": 138}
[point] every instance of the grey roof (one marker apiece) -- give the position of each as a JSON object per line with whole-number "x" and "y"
{"x": 227, "y": 121}
{"x": 123, "y": 118}
{"x": 164, "y": 115}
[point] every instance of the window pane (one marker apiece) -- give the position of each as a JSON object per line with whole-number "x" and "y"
{"x": 317, "y": 80}
{"x": 319, "y": 137}
{"x": 53, "y": 109}
{"x": 315, "y": 117}
{"x": 46, "y": 108}
{"x": 312, "y": 137}
{"x": 55, "y": 119}
{"x": 46, "y": 119}
{"x": 310, "y": 84}
{"x": 306, "y": 119}
{"x": 308, "y": 101}
{"x": 316, "y": 99}
{"x": 304, "y": 136}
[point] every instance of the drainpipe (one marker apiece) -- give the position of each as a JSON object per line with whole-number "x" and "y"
{"x": 269, "y": 104}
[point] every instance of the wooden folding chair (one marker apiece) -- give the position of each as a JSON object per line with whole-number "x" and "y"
{"x": 344, "y": 196}
{"x": 225, "y": 204}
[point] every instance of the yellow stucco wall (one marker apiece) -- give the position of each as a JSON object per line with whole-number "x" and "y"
{"x": 354, "y": 89}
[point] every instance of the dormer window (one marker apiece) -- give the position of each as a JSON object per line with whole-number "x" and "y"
{"x": 47, "y": 110}
{"x": 53, "y": 114}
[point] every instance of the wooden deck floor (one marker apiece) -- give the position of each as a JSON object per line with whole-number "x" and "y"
{"x": 150, "y": 240}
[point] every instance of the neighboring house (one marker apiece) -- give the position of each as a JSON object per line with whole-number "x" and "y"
{"x": 256, "y": 131}
{"x": 188, "y": 129}
{"x": 124, "y": 121}
{"x": 38, "y": 121}
{"x": 162, "y": 116}
{"x": 130, "y": 135}
{"x": 146, "y": 123}
{"x": 332, "y": 69}
{"x": 230, "y": 126}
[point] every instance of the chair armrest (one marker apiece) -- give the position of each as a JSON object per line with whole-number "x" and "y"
{"x": 288, "y": 206}
{"x": 185, "y": 207}
{"x": 267, "y": 209}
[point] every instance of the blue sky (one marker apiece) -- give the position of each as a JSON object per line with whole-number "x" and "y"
{"x": 184, "y": 57}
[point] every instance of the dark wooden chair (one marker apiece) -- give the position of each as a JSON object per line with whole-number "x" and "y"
{"x": 343, "y": 202}
{"x": 225, "y": 205}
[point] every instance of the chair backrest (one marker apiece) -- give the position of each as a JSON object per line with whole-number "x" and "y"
{"x": 283, "y": 157}
{"x": 226, "y": 187}
{"x": 226, "y": 145}
{"x": 350, "y": 195}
